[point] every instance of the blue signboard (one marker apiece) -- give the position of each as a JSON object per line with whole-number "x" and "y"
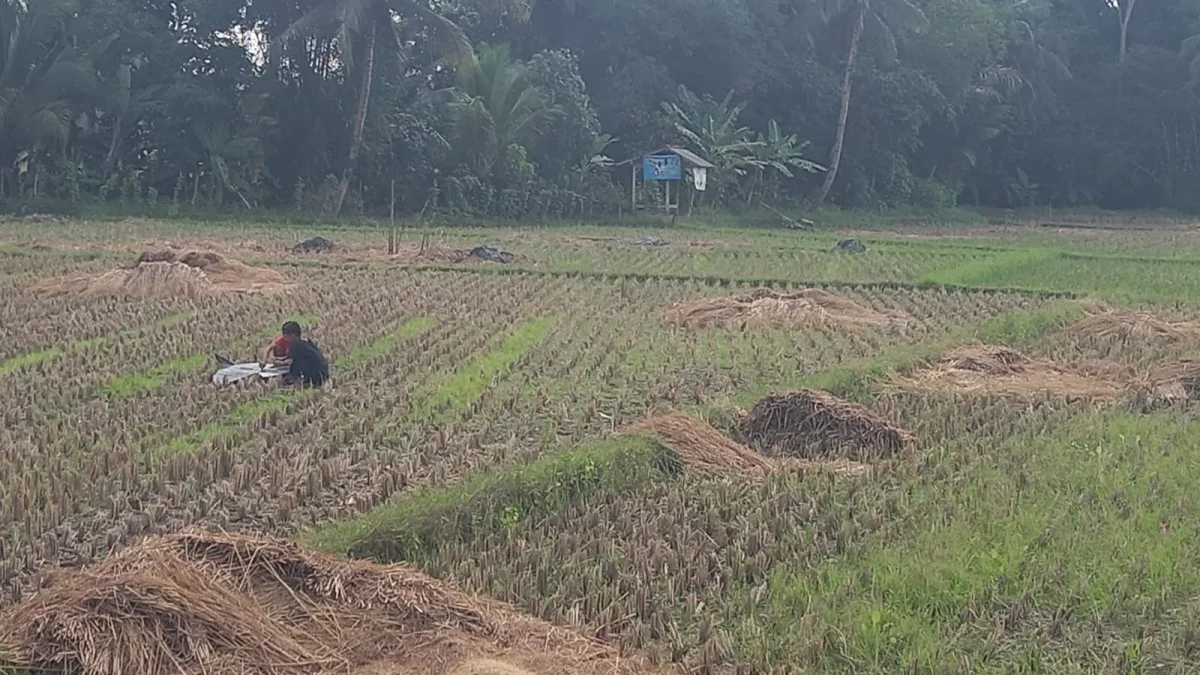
{"x": 662, "y": 167}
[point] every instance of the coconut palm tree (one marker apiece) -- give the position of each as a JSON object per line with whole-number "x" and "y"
{"x": 40, "y": 78}
{"x": 355, "y": 27}
{"x": 877, "y": 21}
{"x": 496, "y": 108}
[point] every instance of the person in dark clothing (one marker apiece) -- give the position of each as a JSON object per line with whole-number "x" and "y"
{"x": 308, "y": 366}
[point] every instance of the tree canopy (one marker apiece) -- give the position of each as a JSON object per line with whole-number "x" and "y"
{"x": 507, "y": 108}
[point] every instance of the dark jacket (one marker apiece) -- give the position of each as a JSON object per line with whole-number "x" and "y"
{"x": 309, "y": 366}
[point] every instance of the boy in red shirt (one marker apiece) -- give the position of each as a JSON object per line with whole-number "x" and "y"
{"x": 278, "y": 353}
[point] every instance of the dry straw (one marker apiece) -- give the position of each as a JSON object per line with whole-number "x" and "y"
{"x": 1134, "y": 326}
{"x": 703, "y": 448}
{"x": 1000, "y": 371}
{"x": 812, "y": 424}
{"x": 163, "y": 275}
{"x": 219, "y": 603}
{"x": 767, "y": 308}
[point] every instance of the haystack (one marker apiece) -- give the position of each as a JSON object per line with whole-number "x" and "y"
{"x": 999, "y": 371}
{"x": 814, "y": 424}
{"x": 1134, "y": 326}
{"x": 217, "y": 603}
{"x": 701, "y": 447}
{"x": 766, "y": 308}
{"x": 148, "y": 280}
{"x": 228, "y": 274}
{"x": 164, "y": 275}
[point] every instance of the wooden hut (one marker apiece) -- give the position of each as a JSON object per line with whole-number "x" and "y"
{"x": 673, "y": 168}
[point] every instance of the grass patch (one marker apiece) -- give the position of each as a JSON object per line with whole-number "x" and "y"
{"x": 1012, "y": 269}
{"x": 30, "y": 359}
{"x": 35, "y": 358}
{"x": 1023, "y": 329}
{"x": 142, "y": 381}
{"x": 364, "y": 353}
{"x": 1090, "y": 524}
{"x": 421, "y": 523}
{"x": 1118, "y": 279}
{"x": 467, "y": 384}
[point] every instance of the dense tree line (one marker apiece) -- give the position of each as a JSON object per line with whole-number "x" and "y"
{"x": 519, "y": 107}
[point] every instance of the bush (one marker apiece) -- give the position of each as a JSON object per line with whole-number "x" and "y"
{"x": 928, "y": 193}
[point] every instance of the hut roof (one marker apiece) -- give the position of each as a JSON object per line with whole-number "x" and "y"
{"x": 690, "y": 158}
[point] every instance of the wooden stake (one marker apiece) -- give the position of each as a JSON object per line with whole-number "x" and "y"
{"x": 392, "y": 227}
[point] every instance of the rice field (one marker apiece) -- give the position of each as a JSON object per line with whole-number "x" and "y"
{"x": 476, "y": 427}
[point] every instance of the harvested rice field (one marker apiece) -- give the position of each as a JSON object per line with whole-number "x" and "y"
{"x": 599, "y": 450}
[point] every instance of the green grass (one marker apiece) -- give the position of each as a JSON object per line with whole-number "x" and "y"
{"x": 1021, "y": 330}
{"x": 469, "y": 382}
{"x": 36, "y": 358}
{"x": 31, "y": 359}
{"x": 143, "y": 381}
{"x": 418, "y": 524}
{"x": 1088, "y": 525}
{"x": 1118, "y": 279}
{"x": 364, "y": 353}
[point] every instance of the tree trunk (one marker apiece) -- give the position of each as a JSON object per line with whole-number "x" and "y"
{"x": 835, "y": 155}
{"x": 360, "y": 119}
{"x": 1124, "y": 11}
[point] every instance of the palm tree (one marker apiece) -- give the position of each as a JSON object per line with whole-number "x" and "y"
{"x": 354, "y": 26}
{"x": 40, "y": 78}
{"x": 226, "y": 157}
{"x": 878, "y": 21}
{"x": 127, "y": 106}
{"x": 496, "y": 107}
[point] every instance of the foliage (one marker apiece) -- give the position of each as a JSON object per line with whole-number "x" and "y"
{"x": 224, "y": 104}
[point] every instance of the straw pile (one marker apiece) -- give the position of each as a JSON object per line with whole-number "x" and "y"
{"x": 1134, "y": 326}
{"x": 814, "y": 424}
{"x": 764, "y": 307}
{"x": 1174, "y": 383}
{"x": 150, "y": 280}
{"x": 701, "y": 447}
{"x": 999, "y": 371}
{"x": 472, "y": 667}
{"x": 163, "y": 275}
{"x": 221, "y": 604}
{"x": 228, "y": 274}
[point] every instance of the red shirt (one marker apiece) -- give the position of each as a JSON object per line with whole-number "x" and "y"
{"x": 280, "y": 346}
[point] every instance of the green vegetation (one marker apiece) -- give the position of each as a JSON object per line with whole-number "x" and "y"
{"x": 408, "y": 328}
{"x": 1084, "y": 524}
{"x": 1117, "y": 279}
{"x": 50, "y": 353}
{"x": 419, "y": 524}
{"x": 31, "y": 359}
{"x": 467, "y": 383}
{"x": 143, "y": 381}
